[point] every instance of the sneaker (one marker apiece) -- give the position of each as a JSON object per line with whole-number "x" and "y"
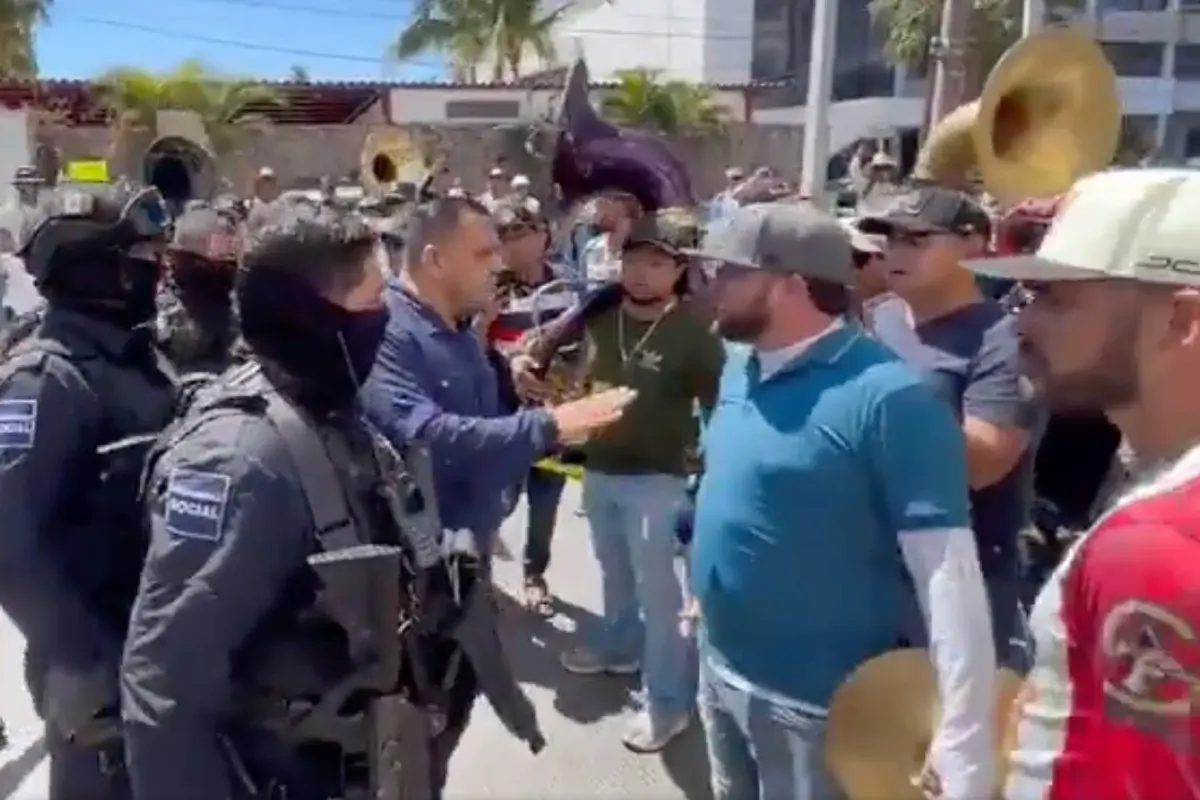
{"x": 582, "y": 661}
{"x": 650, "y": 734}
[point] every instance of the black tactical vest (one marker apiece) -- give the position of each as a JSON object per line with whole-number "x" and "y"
{"x": 351, "y": 483}
{"x": 99, "y": 538}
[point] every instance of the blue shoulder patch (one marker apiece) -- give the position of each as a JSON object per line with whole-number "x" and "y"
{"x": 196, "y": 504}
{"x": 18, "y": 424}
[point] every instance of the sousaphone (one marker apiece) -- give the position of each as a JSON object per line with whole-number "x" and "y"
{"x": 1049, "y": 113}
{"x": 390, "y": 158}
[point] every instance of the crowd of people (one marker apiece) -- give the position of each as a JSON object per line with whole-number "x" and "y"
{"x": 225, "y": 425}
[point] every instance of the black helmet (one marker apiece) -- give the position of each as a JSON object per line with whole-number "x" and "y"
{"x": 86, "y": 216}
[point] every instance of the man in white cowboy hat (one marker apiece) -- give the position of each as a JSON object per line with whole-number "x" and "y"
{"x": 1109, "y": 710}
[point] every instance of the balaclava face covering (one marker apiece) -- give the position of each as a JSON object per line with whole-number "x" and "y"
{"x": 329, "y": 350}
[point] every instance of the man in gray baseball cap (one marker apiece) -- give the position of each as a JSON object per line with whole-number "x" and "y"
{"x": 774, "y": 262}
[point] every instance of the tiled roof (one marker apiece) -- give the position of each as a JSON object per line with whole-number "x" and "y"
{"x": 306, "y": 102}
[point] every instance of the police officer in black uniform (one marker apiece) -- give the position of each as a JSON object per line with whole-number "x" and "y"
{"x": 81, "y": 397}
{"x": 227, "y": 638}
{"x": 197, "y": 325}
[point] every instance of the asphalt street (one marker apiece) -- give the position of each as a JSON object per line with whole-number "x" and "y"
{"x": 583, "y": 718}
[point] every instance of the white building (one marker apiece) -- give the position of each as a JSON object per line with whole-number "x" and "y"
{"x": 1154, "y": 45}
{"x": 708, "y": 41}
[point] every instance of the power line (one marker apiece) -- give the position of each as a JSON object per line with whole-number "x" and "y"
{"x": 265, "y": 48}
{"x": 567, "y": 27}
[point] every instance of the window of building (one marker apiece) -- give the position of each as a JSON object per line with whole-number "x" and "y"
{"x": 860, "y": 68}
{"x": 1136, "y": 59}
{"x": 1108, "y": 6}
{"x": 1187, "y": 61}
{"x": 1191, "y": 143}
{"x": 774, "y": 44}
{"x": 483, "y": 109}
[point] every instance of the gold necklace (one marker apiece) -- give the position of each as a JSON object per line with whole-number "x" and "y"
{"x": 628, "y": 355}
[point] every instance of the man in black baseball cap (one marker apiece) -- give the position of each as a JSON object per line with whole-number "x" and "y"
{"x": 965, "y": 346}
{"x": 927, "y": 211}
{"x": 197, "y": 326}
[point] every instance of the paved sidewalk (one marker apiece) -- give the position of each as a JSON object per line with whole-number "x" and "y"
{"x": 582, "y": 718}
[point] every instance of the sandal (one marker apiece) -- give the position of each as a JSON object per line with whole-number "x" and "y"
{"x": 537, "y": 597}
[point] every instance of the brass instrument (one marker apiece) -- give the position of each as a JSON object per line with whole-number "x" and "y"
{"x": 179, "y": 162}
{"x": 1049, "y": 113}
{"x": 390, "y": 158}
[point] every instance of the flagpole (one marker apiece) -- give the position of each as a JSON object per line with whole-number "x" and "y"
{"x": 815, "y": 160}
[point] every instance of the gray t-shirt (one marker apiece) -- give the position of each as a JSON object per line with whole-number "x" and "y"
{"x": 969, "y": 357}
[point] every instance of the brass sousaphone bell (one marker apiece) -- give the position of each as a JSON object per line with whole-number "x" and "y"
{"x": 388, "y": 159}
{"x": 1049, "y": 113}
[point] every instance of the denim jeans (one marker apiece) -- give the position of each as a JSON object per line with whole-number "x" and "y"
{"x": 543, "y": 492}
{"x": 759, "y": 749}
{"x": 632, "y": 518}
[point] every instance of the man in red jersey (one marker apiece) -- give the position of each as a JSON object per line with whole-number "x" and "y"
{"x": 1108, "y": 711}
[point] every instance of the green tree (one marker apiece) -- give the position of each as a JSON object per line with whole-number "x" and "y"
{"x": 18, "y": 23}
{"x": 475, "y": 32}
{"x": 912, "y": 25}
{"x": 299, "y": 74}
{"x": 135, "y": 96}
{"x": 522, "y": 26}
{"x": 640, "y": 100}
{"x": 460, "y": 30}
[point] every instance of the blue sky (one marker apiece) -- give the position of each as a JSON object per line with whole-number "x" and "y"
{"x": 332, "y": 39}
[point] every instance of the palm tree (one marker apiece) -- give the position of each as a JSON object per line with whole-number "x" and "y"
{"x": 18, "y": 22}
{"x": 299, "y": 74}
{"x": 134, "y": 97}
{"x": 639, "y": 100}
{"x": 473, "y": 32}
{"x": 461, "y": 30}
{"x": 912, "y": 25}
{"x": 522, "y": 26}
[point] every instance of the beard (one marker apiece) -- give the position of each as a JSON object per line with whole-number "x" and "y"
{"x": 1109, "y": 383}
{"x": 742, "y": 326}
{"x": 746, "y": 321}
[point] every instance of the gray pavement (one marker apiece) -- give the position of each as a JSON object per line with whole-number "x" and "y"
{"x": 583, "y": 718}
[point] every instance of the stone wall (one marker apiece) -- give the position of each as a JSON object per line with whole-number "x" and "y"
{"x": 301, "y": 154}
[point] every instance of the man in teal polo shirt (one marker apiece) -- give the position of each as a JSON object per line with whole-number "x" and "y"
{"x": 830, "y": 470}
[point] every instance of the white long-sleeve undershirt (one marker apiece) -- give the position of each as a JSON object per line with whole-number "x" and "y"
{"x": 944, "y": 565}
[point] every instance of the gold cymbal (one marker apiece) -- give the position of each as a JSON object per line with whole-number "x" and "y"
{"x": 881, "y": 723}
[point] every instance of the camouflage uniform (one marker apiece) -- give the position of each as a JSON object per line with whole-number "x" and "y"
{"x": 197, "y": 324}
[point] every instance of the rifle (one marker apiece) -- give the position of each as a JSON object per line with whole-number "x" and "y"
{"x": 361, "y": 591}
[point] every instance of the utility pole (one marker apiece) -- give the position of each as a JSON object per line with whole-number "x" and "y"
{"x": 1033, "y": 17}
{"x": 815, "y": 160}
{"x": 950, "y": 59}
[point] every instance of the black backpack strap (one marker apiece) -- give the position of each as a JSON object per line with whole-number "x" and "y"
{"x": 335, "y": 526}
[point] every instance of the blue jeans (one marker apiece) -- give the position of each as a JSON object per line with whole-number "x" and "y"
{"x": 543, "y": 492}
{"x": 758, "y": 749}
{"x": 632, "y": 518}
